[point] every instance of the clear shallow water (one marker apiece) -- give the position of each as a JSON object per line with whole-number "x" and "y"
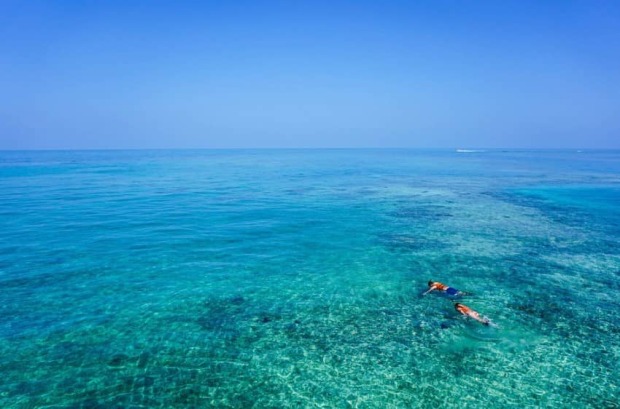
{"x": 293, "y": 278}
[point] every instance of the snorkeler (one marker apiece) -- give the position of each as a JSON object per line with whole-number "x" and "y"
{"x": 465, "y": 310}
{"x": 436, "y": 285}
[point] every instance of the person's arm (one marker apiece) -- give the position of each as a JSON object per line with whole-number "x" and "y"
{"x": 430, "y": 289}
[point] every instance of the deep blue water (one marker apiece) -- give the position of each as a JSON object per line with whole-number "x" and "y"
{"x": 292, "y": 278}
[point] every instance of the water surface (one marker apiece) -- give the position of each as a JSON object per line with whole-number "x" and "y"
{"x": 292, "y": 278}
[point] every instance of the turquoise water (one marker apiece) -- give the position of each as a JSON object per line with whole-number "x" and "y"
{"x": 276, "y": 279}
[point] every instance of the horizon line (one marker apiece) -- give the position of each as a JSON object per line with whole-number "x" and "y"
{"x": 455, "y": 149}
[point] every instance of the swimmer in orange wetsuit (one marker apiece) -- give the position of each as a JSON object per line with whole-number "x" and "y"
{"x": 436, "y": 285}
{"x": 465, "y": 310}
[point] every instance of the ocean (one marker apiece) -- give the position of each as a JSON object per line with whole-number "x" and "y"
{"x": 293, "y": 278}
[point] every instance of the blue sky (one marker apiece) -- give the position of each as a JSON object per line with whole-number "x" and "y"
{"x": 263, "y": 74}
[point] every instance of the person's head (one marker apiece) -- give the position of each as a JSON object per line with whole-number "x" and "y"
{"x": 456, "y": 305}
{"x": 430, "y": 283}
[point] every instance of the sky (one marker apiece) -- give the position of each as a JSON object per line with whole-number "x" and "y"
{"x": 309, "y": 74}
